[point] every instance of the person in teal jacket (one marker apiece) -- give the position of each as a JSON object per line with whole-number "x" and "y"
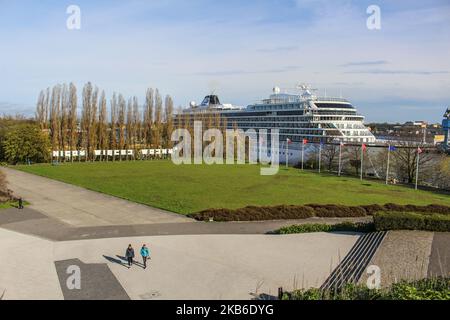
{"x": 145, "y": 253}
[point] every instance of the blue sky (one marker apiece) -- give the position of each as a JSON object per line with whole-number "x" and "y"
{"x": 238, "y": 49}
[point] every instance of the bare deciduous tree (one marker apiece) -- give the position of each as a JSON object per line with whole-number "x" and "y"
{"x": 40, "y": 110}
{"x": 129, "y": 126}
{"x": 405, "y": 162}
{"x": 121, "y": 122}
{"x": 136, "y": 126}
{"x": 158, "y": 120}
{"x": 114, "y": 118}
{"x": 63, "y": 139}
{"x": 330, "y": 154}
{"x": 73, "y": 119}
{"x": 55, "y": 117}
{"x": 148, "y": 118}
{"x": 168, "y": 128}
{"x": 102, "y": 125}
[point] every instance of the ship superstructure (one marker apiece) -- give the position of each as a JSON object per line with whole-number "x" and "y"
{"x": 297, "y": 116}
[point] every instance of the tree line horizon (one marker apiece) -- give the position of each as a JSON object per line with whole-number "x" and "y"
{"x": 97, "y": 122}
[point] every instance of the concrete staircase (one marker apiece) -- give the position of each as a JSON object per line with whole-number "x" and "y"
{"x": 352, "y": 267}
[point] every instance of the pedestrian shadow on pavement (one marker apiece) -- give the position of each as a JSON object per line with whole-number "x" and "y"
{"x": 114, "y": 260}
{"x": 125, "y": 260}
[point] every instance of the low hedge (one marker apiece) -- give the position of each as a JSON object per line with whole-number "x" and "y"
{"x": 321, "y": 227}
{"x": 432, "y": 208}
{"x": 331, "y": 210}
{"x": 425, "y": 289}
{"x": 411, "y": 221}
{"x": 253, "y": 213}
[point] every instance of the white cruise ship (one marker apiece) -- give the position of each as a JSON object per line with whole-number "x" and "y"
{"x": 297, "y": 117}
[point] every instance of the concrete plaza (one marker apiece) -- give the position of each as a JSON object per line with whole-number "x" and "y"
{"x": 182, "y": 267}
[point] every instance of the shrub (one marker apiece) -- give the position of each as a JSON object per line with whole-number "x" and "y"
{"x": 354, "y": 226}
{"x": 5, "y": 193}
{"x": 411, "y": 221}
{"x": 331, "y": 210}
{"x": 425, "y": 289}
{"x": 253, "y": 213}
{"x": 321, "y": 227}
{"x": 304, "y": 228}
{"x": 371, "y": 209}
{"x": 432, "y": 208}
{"x": 435, "y": 208}
{"x": 25, "y": 142}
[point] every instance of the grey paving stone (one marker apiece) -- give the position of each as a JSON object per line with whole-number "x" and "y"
{"x": 12, "y": 215}
{"x": 403, "y": 255}
{"x": 440, "y": 255}
{"x": 97, "y": 282}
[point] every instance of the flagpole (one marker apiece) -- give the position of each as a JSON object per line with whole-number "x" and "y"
{"x": 303, "y": 152}
{"x": 417, "y": 167}
{"x": 287, "y": 153}
{"x": 320, "y": 155}
{"x": 362, "y": 157}
{"x": 340, "y": 158}
{"x": 387, "y": 167}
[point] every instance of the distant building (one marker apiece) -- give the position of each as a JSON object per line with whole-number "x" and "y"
{"x": 439, "y": 139}
{"x": 417, "y": 131}
{"x": 420, "y": 123}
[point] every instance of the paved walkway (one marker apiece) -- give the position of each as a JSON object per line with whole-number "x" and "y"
{"x": 440, "y": 255}
{"x": 30, "y": 221}
{"x": 27, "y": 268}
{"x": 81, "y": 207}
{"x": 408, "y": 255}
{"x": 182, "y": 267}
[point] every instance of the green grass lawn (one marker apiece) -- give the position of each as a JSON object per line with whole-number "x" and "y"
{"x": 8, "y": 204}
{"x": 191, "y": 188}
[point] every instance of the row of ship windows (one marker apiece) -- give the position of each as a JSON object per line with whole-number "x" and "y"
{"x": 308, "y": 125}
{"x": 291, "y": 106}
{"x": 310, "y": 137}
{"x": 299, "y": 119}
{"x": 274, "y": 125}
{"x": 296, "y": 125}
{"x": 333, "y": 113}
{"x": 277, "y": 107}
{"x": 328, "y": 116}
{"x": 316, "y": 131}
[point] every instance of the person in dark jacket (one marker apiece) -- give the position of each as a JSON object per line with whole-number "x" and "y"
{"x": 129, "y": 254}
{"x": 20, "y": 203}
